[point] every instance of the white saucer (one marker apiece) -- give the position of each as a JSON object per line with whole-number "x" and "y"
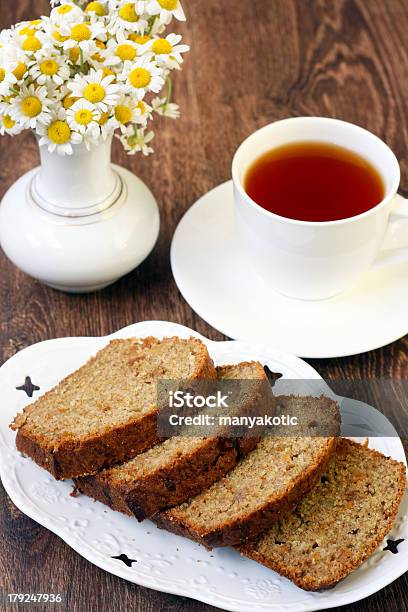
{"x": 217, "y": 281}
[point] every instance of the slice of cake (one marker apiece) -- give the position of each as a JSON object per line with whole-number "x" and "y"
{"x": 263, "y": 486}
{"x": 179, "y": 468}
{"x": 338, "y": 524}
{"x": 106, "y": 411}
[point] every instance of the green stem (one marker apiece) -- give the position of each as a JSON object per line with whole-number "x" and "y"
{"x": 81, "y": 59}
{"x": 151, "y": 21}
{"x": 169, "y": 92}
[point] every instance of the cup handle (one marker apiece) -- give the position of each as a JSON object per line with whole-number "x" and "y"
{"x": 394, "y": 249}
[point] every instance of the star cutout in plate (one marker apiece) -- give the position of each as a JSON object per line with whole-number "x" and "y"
{"x": 392, "y": 545}
{"x": 125, "y": 559}
{"x": 28, "y": 387}
{"x": 272, "y": 376}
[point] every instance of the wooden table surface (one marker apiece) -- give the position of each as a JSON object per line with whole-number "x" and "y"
{"x": 251, "y": 63}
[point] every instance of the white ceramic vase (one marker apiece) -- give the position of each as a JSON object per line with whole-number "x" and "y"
{"x": 78, "y": 223}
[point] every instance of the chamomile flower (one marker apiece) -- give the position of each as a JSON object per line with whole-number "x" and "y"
{"x": 96, "y": 89}
{"x": 96, "y": 9}
{"x": 84, "y": 71}
{"x": 30, "y": 44}
{"x": 82, "y": 36}
{"x": 68, "y": 101}
{"x": 107, "y": 125}
{"x": 5, "y": 104}
{"x": 142, "y": 112}
{"x": 7, "y": 80}
{"x": 28, "y": 28}
{"x": 120, "y": 49}
{"x": 83, "y": 117}
{"x": 51, "y": 68}
{"x": 66, "y": 13}
{"x": 136, "y": 140}
{"x": 57, "y": 135}
{"x": 31, "y": 106}
{"x": 125, "y": 112}
{"x": 142, "y": 76}
{"x": 79, "y": 56}
{"x": 163, "y": 107}
{"x": 167, "y": 51}
{"x": 139, "y": 39}
{"x": 20, "y": 71}
{"x": 9, "y": 126}
{"x": 98, "y": 59}
{"x": 166, "y": 9}
{"x": 53, "y": 37}
{"x": 140, "y": 6}
{"x": 127, "y": 17}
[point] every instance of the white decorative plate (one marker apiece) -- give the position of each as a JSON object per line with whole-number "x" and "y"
{"x": 160, "y": 560}
{"x": 216, "y": 279}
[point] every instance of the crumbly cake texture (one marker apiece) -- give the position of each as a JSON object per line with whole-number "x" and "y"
{"x": 257, "y": 492}
{"x": 179, "y": 468}
{"x": 105, "y": 412}
{"x": 339, "y": 524}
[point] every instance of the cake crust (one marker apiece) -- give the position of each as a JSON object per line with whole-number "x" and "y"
{"x": 252, "y": 522}
{"x": 308, "y": 569}
{"x": 245, "y": 488}
{"x": 182, "y": 476}
{"x": 68, "y": 455}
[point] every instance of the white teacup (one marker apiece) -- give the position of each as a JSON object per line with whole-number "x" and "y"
{"x": 317, "y": 260}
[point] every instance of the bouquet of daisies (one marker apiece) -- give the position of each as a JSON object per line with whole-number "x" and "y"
{"x": 89, "y": 69}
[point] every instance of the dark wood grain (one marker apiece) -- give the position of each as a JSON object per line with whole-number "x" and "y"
{"x": 251, "y": 63}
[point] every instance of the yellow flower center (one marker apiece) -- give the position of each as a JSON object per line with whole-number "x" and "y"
{"x": 138, "y": 38}
{"x": 107, "y": 72}
{"x": 126, "y": 52}
{"x": 49, "y": 67}
{"x": 59, "y": 37}
{"x": 141, "y": 106}
{"x": 31, "y": 106}
{"x": 97, "y": 57}
{"x": 162, "y": 46}
{"x": 2, "y": 75}
{"x": 94, "y": 93}
{"x": 169, "y": 5}
{"x": 96, "y": 7}
{"x": 100, "y": 44}
{"x": 123, "y": 114}
{"x": 74, "y": 55}
{"x": 59, "y": 132}
{"x": 140, "y": 77}
{"x": 83, "y": 116}
{"x": 8, "y": 122}
{"x": 69, "y": 101}
{"x": 104, "y": 118}
{"x": 128, "y": 12}
{"x": 31, "y": 43}
{"x": 27, "y": 31}
{"x": 81, "y": 32}
{"x": 35, "y": 22}
{"x": 64, "y": 9}
{"x": 19, "y": 71}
